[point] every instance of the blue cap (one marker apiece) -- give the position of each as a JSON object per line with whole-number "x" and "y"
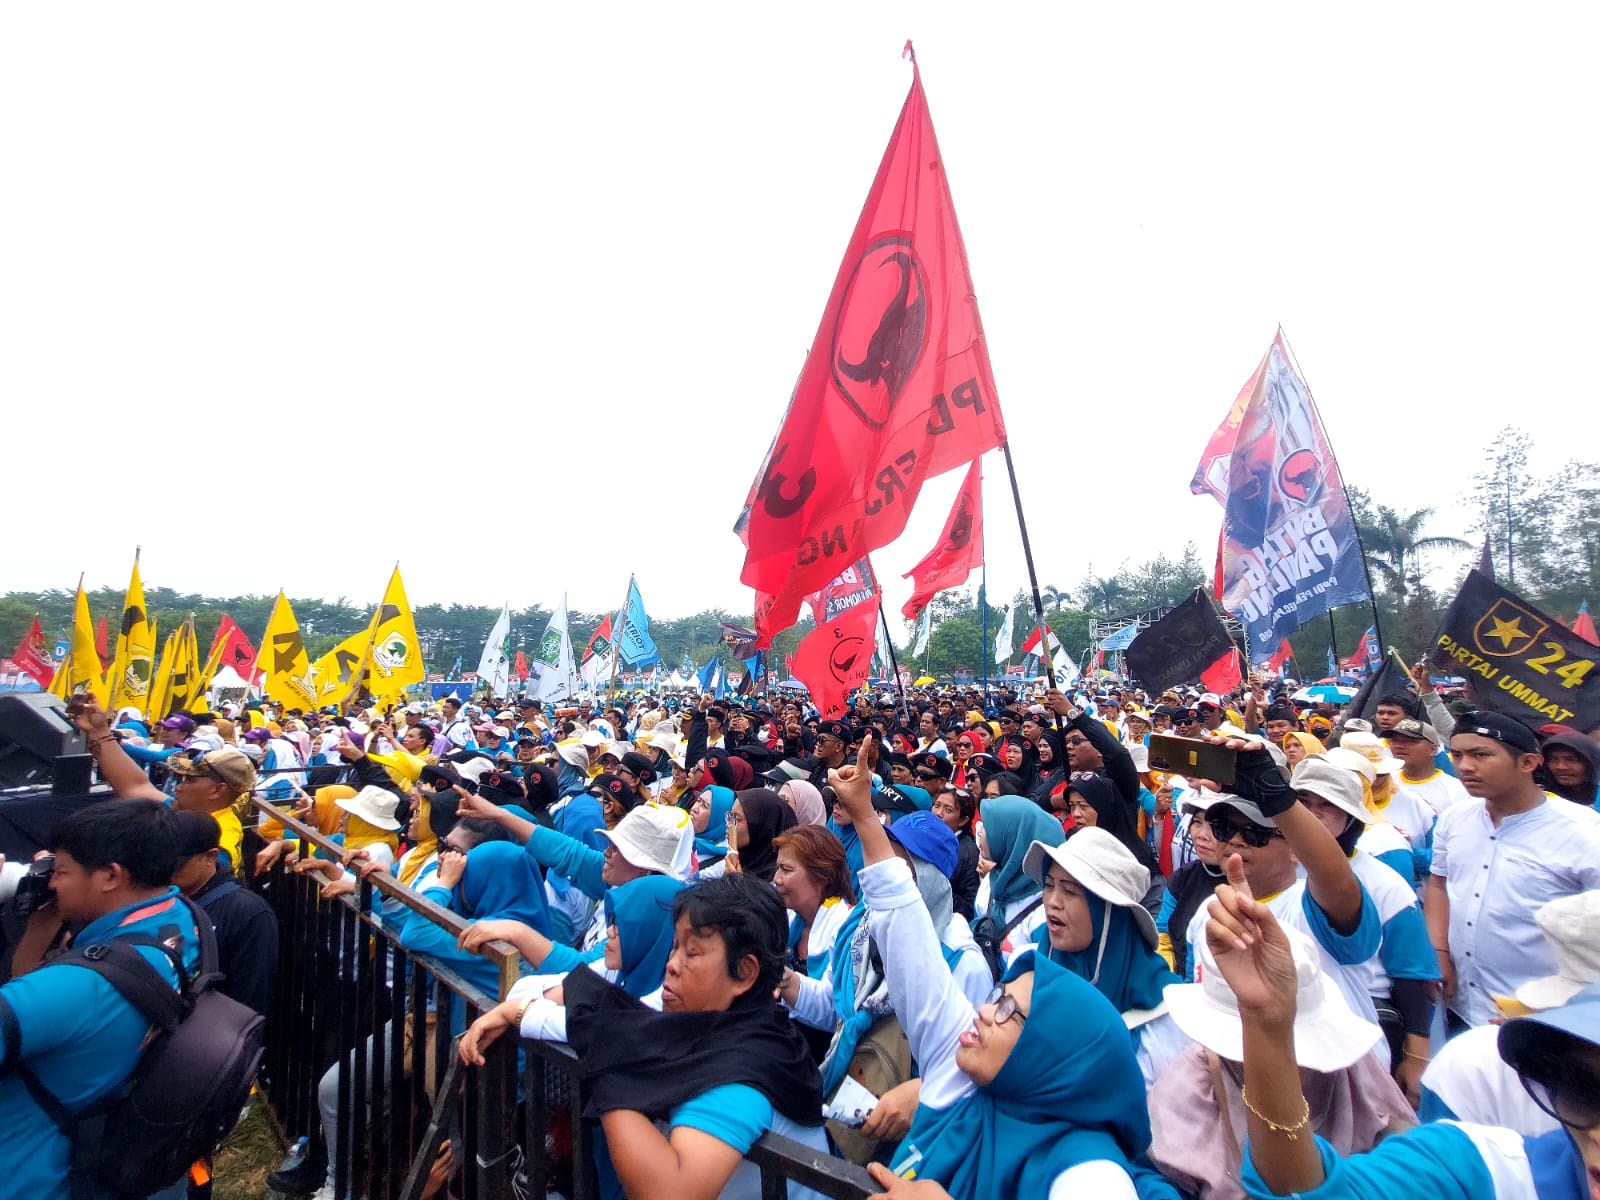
{"x": 929, "y": 838}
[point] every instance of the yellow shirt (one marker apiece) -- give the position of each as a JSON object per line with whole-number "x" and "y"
{"x": 232, "y": 841}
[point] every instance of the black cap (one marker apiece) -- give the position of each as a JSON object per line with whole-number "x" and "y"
{"x": 1501, "y": 728}
{"x": 929, "y": 761}
{"x": 835, "y": 728}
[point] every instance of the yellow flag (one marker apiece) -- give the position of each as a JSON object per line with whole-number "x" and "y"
{"x": 396, "y": 653}
{"x": 80, "y": 671}
{"x": 283, "y": 662}
{"x": 134, "y": 664}
{"x": 338, "y": 672}
{"x": 185, "y": 667}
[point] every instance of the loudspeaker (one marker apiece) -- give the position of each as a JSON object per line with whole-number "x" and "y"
{"x": 34, "y": 734}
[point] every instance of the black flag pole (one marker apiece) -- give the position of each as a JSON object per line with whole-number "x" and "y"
{"x": 1033, "y": 575}
{"x": 894, "y": 667}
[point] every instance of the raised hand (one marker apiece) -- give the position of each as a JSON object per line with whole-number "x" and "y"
{"x": 1251, "y": 950}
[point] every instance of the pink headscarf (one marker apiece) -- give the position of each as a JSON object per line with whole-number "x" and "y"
{"x": 806, "y": 801}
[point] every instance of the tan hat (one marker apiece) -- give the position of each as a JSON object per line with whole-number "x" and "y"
{"x": 1351, "y": 761}
{"x": 1339, "y": 786}
{"x": 225, "y": 764}
{"x": 1102, "y": 865}
{"x": 1371, "y": 747}
{"x": 1571, "y": 924}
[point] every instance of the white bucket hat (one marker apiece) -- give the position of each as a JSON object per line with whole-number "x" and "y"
{"x": 1327, "y": 1035}
{"x": 653, "y": 838}
{"x": 1339, "y": 786}
{"x": 1571, "y": 924}
{"x": 374, "y": 805}
{"x": 1102, "y": 865}
{"x": 1370, "y": 747}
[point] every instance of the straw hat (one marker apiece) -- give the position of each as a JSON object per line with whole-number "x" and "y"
{"x": 1327, "y": 1035}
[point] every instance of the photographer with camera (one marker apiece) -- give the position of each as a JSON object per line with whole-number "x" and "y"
{"x": 70, "y": 1037}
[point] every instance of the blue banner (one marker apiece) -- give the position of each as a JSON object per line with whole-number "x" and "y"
{"x": 1122, "y": 638}
{"x": 633, "y": 626}
{"x": 710, "y": 676}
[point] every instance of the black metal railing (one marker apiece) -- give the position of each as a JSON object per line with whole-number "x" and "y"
{"x": 349, "y": 993}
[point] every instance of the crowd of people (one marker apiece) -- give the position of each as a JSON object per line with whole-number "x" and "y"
{"x": 984, "y": 944}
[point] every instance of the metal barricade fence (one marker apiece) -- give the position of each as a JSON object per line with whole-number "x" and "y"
{"x": 347, "y": 992}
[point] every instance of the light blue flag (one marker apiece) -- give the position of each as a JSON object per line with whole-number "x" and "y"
{"x": 633, "y": 638}
{"x": 1122, "y": 638}
{"x": 710, "y": 676}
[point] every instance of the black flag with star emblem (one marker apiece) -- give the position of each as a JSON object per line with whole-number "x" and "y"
{"x": 1516, "y": 660}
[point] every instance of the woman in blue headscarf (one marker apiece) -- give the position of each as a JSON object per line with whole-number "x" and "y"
{"x": 494, "y": 881}
{"x": 1010, "y": 825}
{"x": 1096, "y": 928}
{"x": 709, "y": 815}
{"x": 1035, "y": 1094}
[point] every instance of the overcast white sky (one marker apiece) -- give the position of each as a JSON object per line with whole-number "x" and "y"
{"x": 276, "y": 279}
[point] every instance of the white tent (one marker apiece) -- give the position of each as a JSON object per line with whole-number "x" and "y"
{"x": 227, "y": 684}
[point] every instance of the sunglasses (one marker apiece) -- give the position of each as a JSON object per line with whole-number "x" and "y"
{"x": 1565, "y": 1090}
{"x": 929, "y": 775}
{"x": 1225, "y": 829}
{"x": 1005, "y": 1006}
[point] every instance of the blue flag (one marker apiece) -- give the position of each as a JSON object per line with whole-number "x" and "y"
{"x": 688, "y": 665}
{"x": 633, "y": 626}
{"x": 710, "y": 675}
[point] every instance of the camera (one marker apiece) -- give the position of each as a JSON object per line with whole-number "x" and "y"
{"x": 33, "y": 888}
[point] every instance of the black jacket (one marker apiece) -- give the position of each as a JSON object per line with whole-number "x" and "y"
{"x": 247, "y": 938}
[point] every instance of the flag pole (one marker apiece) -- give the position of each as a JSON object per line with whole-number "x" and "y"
{"x": 616, "y": 642}
{"x": 1033, "y": 575}
{"x": 894, "y": 667}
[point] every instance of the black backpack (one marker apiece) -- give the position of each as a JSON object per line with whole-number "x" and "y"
{"x": 991, "y": 936}
{"x": 192, "y": 1079}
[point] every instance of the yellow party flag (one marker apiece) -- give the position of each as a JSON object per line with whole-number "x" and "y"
{"x": 339, "y": 672}
{"x": 185, "y": 668}
{"x": 80, "y": 671}
{"x": 134, "y": 663}
{"x": 162, "y": 684}
{"x": 282, "y": 660}
{"x": 396, "y": 653}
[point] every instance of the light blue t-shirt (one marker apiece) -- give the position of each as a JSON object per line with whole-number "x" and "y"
{"x": 738, "y": 1114}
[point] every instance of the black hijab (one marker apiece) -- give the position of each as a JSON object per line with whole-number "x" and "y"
{"x": 766, "y": 815}
{"x": 1115, "y": 816}
{"x": 719, "y": 765}
{"x": 1028, "y": 769}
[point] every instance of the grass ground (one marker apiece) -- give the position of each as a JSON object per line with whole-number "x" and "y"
{"x": 251, "y": 1153}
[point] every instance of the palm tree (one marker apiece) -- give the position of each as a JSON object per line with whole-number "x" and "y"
{"x": 1394, "y": 544}
{"x": 1054, "y": 597}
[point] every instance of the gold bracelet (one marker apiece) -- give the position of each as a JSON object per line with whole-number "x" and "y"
{"x": 1419, "y": 1057}
{"x": 1292, "y": 1132}
{"x": 522, "y": 1011}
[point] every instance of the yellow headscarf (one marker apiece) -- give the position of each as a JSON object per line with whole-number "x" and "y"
{"x": 1309, "y": 742}
{"x": 424, "y": 848}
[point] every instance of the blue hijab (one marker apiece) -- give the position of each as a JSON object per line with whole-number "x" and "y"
{"x": 1130, "y": 974}
{"x": 1010, "y": 825}
{"x": 1047, "y": 1110}
{"x": 500, "y": 882}
{"x": 642, "y": 912}
{"x": 712, "y": 843}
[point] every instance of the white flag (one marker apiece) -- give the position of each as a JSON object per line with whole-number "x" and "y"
{"x": 1066, "y": 669}
{"x": 1002, "y": 640}
{"x": 924, "y": 628}
{"x": 551, "y": 672}
{"x": 494, "y": 667}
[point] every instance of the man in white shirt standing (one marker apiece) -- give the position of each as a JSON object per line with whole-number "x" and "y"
{"x": 1415, "y": 743}
{"x": 1498, "y": 858}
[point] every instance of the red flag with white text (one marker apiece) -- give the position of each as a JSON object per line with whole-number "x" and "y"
{"x": 835, "y": 658}
{"x": 960, "y": 547}
{"x": 896, "y": 389}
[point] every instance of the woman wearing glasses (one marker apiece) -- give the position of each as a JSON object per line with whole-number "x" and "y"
{"x": 1556, "y": 1054}
{"x": 1007, "y": 1108}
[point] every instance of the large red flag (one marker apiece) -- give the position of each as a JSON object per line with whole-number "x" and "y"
{"x": 237, "y": 652}
{"x": 960, "y": 547}
{"x": 1223, "y": 675}
{"x": 897, "y": 387}
{"x": 31, "y": 657}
